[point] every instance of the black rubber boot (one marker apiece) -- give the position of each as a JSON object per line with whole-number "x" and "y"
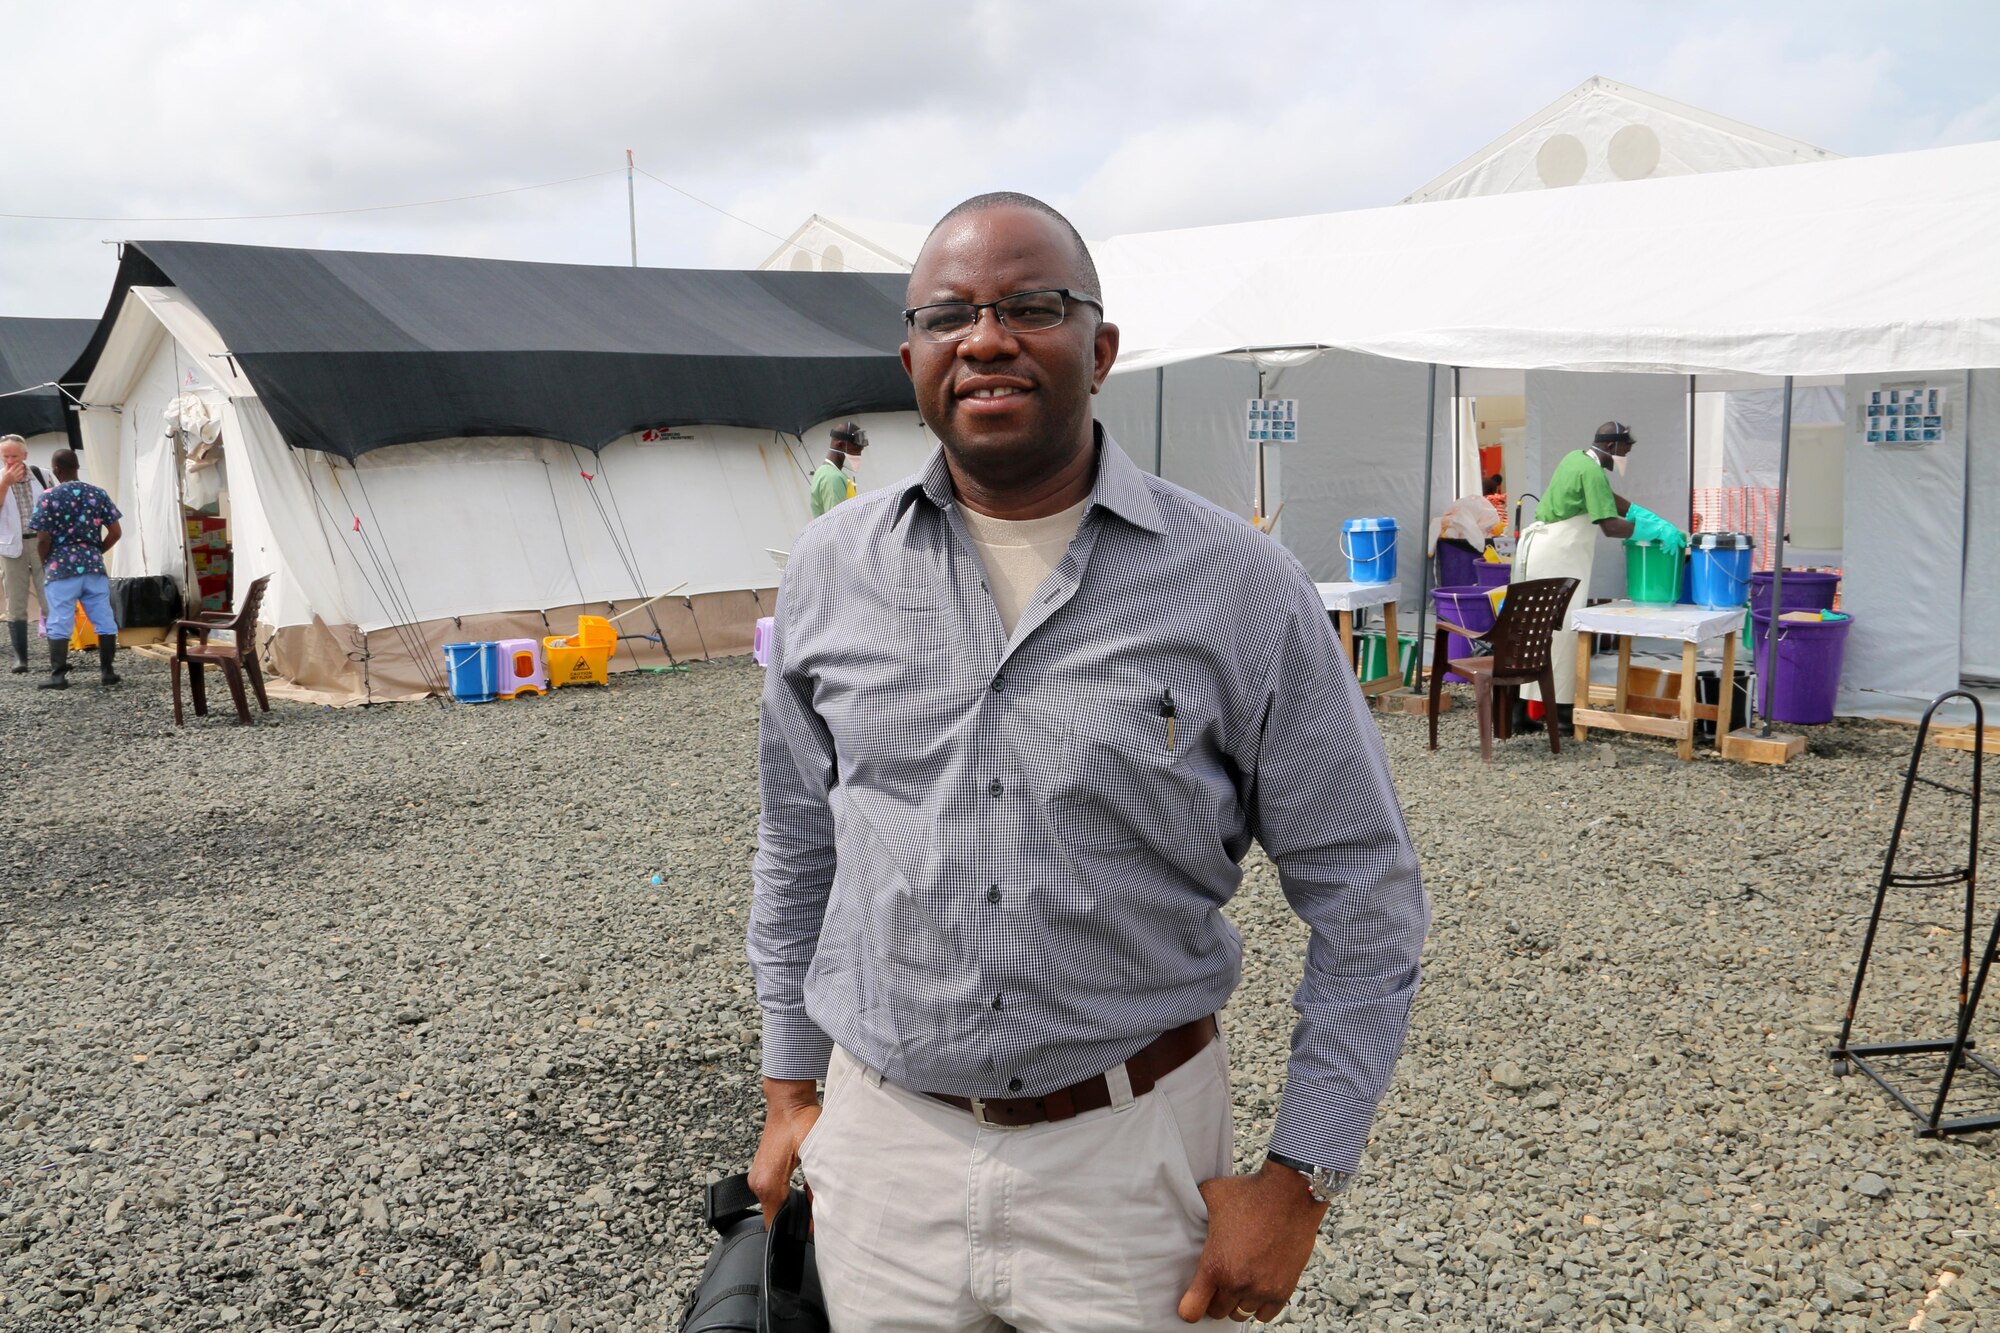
{"x": 58, "y": 666}
{"x": 1522, "y": 724}
{"x": 17, "y": 638}
{"x": 1566, "y": 719}
{"x": 107, "y": 648}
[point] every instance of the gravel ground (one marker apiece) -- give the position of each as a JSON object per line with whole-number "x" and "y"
{"x": 377, "y": 1019}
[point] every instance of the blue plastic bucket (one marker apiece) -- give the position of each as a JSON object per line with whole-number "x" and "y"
{"x": 1370, "y": 547}
{"x": 1719, "y": 569}
{"x": 473, "y": 671}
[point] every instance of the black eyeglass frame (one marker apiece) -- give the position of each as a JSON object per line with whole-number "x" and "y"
{"x": 910, "y": 314}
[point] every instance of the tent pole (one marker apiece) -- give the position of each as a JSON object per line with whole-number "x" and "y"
{"x": 632, "y": 207}
{"x": 1770, "y": 683}
{"x": 1690, "y": 457}
{"x": 1430, "y": 465}
{"x": 1160, "y": 422}
{"x": 1458, "y": 444}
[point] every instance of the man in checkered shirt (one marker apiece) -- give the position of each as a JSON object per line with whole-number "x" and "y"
{"x": 1025, "y": 712}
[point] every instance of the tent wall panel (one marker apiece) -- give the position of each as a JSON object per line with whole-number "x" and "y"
{"x": 1360, "y": 454}
{"x": 1565, "y": 409}
{"x": 1980, "y": 625}
{"x": 1905, "y": 552}
{"x": 344, "y": 663}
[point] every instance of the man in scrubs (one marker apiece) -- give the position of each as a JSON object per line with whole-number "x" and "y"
{"x": 1577, "y": 504}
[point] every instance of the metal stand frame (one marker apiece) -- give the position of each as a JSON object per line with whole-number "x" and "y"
{"x": 1960, "y": 1050}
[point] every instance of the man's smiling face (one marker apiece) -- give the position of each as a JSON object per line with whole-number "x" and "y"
{"x": 1010, "y": 407}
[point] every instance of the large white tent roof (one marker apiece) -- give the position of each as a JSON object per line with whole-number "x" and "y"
{"x": 1603, "y": 131}
{"x": 1860, "y": 265}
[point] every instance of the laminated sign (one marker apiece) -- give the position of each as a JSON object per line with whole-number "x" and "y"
{"x": 1905, "y": 415}
{"x": 1272, "y": 421}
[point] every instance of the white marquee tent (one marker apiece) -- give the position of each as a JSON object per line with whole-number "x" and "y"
{"x": 1865, "y": 271}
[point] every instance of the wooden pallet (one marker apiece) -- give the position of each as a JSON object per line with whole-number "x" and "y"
{"x": 1960, "y": 738}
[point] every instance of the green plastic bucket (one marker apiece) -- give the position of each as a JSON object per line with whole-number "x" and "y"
{"x": 1652, "y": 573}
{"x": 1375, "y": 658}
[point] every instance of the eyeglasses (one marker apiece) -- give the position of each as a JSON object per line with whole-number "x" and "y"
{"x": 1023, "y": 312}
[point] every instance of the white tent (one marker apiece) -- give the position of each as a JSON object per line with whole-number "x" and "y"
{"x": 848, "y": 245}
{"x": 380, "y": 555}
{"x": 1865, "y": 269}
{"x": 1603, "y": 131}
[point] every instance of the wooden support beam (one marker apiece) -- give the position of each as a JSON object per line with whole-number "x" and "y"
{"x": 1751, "y": 747}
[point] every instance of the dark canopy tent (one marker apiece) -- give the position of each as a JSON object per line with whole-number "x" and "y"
{"x": 35, "y": 353}
{"x": 352, "y": 351}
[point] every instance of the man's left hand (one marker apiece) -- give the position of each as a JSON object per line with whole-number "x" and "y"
{"x": 1260, "y": 1235}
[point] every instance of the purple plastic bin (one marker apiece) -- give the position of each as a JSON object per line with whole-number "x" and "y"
{"x": 1808, "y": 674}
{"x": 1805, "y": 590}
{"x": 1455, "y": 562}
{"x": 1468, "y": 607}
{"x": 1489, "y": 575}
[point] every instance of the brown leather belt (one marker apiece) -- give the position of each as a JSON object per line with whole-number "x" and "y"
{"x": 1160, "y": 1057}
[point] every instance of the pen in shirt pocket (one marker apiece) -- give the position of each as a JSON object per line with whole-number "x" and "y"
{"x": 1167, "y": 712}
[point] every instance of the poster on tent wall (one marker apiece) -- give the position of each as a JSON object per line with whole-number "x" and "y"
{"x": 1904, "y": 416}
{"x": 1272, "y": 421}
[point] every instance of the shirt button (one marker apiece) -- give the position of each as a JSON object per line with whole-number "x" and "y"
{"x": 1013, "y": 1085}
{"x": 993, "y": 894}
{"x": 994, "y": 788}
{"x": 999, "y": 682}
{"x": 996, "y": 1002}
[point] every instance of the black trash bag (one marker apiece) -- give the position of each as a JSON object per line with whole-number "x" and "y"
{"x": 756, "y": 1281}
{"x": 150, "y": 601}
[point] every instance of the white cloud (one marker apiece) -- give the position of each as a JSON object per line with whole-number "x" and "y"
{"x": 1133, "y": 115}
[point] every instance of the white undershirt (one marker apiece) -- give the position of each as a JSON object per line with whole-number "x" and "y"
{"x": 1019, "y": 553}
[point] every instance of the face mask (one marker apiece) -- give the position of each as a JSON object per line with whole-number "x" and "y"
{"x": 1618, "y": 464}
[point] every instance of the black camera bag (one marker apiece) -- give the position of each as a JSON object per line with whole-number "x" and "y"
{"x": 756, "y": 1281}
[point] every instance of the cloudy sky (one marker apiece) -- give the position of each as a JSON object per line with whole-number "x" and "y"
{"x": 1131, "y": 116}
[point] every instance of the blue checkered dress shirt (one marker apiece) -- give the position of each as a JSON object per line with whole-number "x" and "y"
{"x": 982, "y": 869}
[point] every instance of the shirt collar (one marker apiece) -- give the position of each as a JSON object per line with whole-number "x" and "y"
{"x": 1120, "y": 486}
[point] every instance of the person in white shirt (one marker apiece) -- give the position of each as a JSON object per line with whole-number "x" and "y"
{"x": 21, "y": 484}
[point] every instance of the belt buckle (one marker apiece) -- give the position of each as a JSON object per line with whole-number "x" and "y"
{"x": 979, "y": 1114}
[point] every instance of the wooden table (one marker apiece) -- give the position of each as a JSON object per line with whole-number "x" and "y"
{"x": 1342, "y": 600}
{"x": 1692, "y": 626}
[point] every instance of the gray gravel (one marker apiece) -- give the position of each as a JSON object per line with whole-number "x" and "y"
{"x": 376, "y": 1019}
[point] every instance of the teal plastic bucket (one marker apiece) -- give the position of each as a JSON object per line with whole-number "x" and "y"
{"x": 1652, "y": 573}
{"x": 1719, "y": 569}
{"x": 1370, "y": 547}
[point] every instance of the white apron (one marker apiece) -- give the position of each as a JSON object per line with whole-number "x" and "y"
{"x": 1561, "y": 550}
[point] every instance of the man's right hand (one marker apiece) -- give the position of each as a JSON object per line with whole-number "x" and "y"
{"x": 791, "y": 1105}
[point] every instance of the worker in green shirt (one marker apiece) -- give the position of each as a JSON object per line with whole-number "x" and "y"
{"x": 834, "y": 480}
{"x": 1577, "y": 504}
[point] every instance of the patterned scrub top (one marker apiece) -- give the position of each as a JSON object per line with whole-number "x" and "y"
{"x": 74, "y": 514}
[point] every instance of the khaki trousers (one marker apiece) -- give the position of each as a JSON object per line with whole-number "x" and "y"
{"x": 928, "y": 1222}
{"x": 19, "y": 573}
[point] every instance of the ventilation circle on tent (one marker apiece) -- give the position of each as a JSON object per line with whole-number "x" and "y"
{"x": 831, "y": 260}
{"x": 1634, "y": 152}
{"x": 1561, "y": 160}
{"x": 802, "y": 261}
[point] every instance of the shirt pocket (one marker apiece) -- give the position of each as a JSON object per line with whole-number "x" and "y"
{"x": 1130, "y": 774}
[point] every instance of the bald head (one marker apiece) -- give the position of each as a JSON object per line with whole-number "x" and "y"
{"x": 1086, "y": 267}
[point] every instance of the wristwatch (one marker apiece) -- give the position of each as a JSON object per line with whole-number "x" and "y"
{"x": 1322, "y": 1182}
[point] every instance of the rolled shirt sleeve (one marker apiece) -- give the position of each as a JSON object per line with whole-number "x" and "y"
{"x": 1326, "y": 812}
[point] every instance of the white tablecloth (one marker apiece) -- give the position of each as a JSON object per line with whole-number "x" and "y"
{"x": 1357, "y": 596}
{"x": 1688, "y": 624}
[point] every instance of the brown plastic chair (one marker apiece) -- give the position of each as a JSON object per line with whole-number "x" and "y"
{"x": 1521, "y": 656}
{"x": 236, "y": 659}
